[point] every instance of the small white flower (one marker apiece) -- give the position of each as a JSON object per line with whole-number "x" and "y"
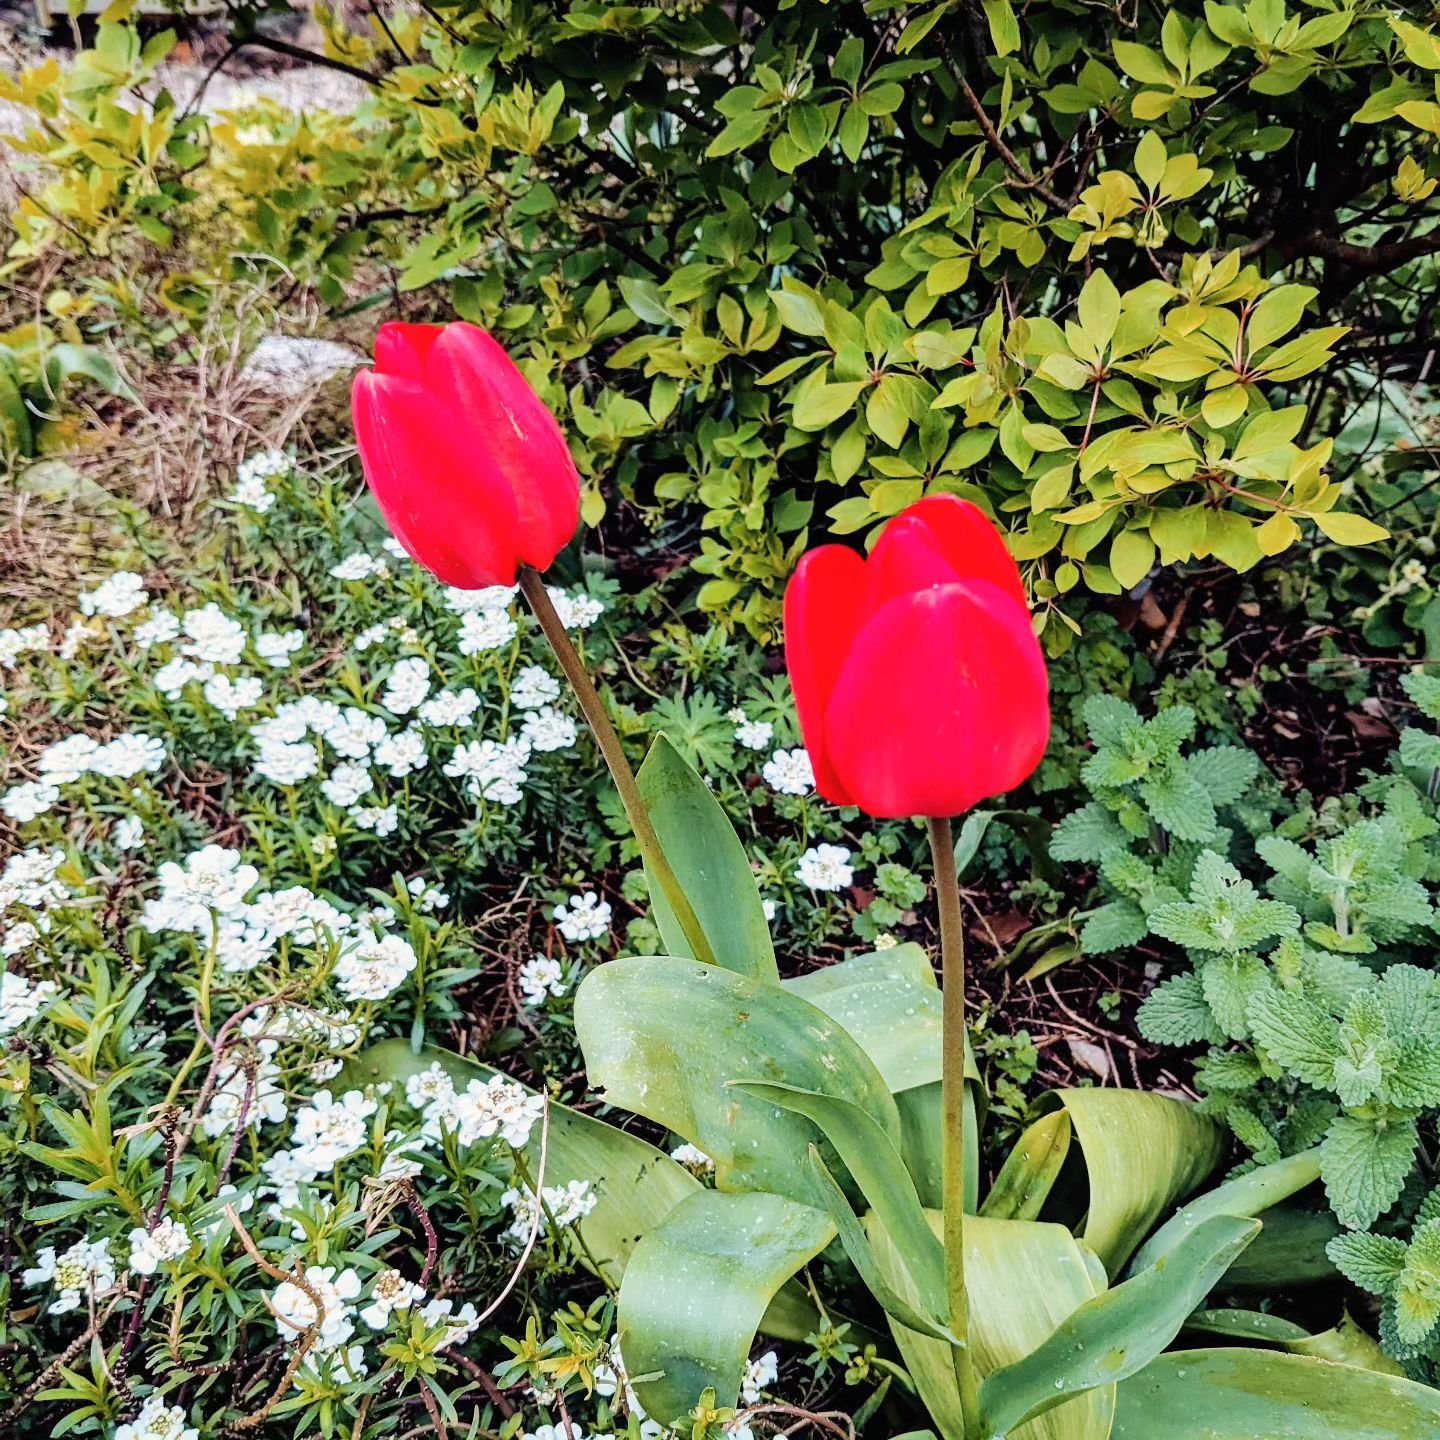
{"x": 547, "y": 729}
{"x": 825, "y": 867}
{"x": 492, "y": 770}
{"x": 429, "y": 1086}
{"x": 327, "y": 1130}
{"x": 277, "y": 648}
{"x": 754, "y": 734}
{"x": 128, "y": 755}
{"x": 587, "y": 917}
{"x": 1413, "y": 571}
{"x": 485, "y": 630}
{"x": 232, "y": 695}
{"x": 297, "y": 1312}
{"x": 402, "y": 753}
{"x": 116, "y": 597}
{"x": 82, "y": 1271}
{"x": 29, "y": 800}
{"x": 173, "y": 676}
{"x": 789, "y": 772}
{"x": 15, "y": 643}
{"x": 576, "y": 612}
{"x": 149, "y": 1251}
{"x": 459, "y": 1324}
{"x": 390, "y": 1291}
{"x": 22, "y": 999}
{"x": 407, "y": 687}
{"x": 372, "y": 967}
{"x": 693, "y": 1159}
{"x": 352, "y": 733}
{"x": 128, "y": 833}
{"x": 484, "y": 1108}
{"x": 213, "y": 635}
{"x": 534, "y": 687}
{"x": 762, "y": 1371}
{"x": 381, "y": 819}
{"x": 67, "y": 760}
{"x": 161, "y": 628}
{"x": 359, "y": 566}
{"x": 450, "y": 707}
{"x": 287, "y": 764}
{"x": 157, "y": 1421}
{"x": 347, "y": 784}
{"x": 768, "y": 906}
{"x": 540, "y": 977}
{"x": 489, "y": 597}
{"x": 428, "y": 897}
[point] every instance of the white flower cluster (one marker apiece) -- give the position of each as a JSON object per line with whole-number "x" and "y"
{"x": 541, "y": 977}
{"x": 15, "y": 643}
{"x": 564, "y": 1205}
{"x": 77, "y": 1275}
{"x": 67, "y": 761}
{"x": 584, "y": 917}
{"x": 252, "y": 490}
{"x": 825, "y": 867}
{"x": 157, "y": 1421}
{"x": 482, "y": 1110}
{"x": 116, "y": 596}
{"x": 789, "y": 772}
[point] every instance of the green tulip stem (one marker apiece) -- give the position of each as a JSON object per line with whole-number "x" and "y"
{"x": 532, "y": 586}
{"x": 952, "y": 1104}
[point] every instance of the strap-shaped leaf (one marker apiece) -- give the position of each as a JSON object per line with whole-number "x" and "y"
{"x": 1142, "y": 1153}
{"x": 1024, "y": 1280}
{"x": 1030, "y": 1170}
{"x": 875, "y": 1165}
{"x": 664, "y": 1037}
{"x": 709, "y": 862}
{"x": 1346, "y": 1342}
{"x": 857, "y": 1247}
{"x": 1117, "y": 1333}
{"x": 1236, "y": 1394}
{"x": 1248, "y": 1195}
{"x": 697, "y": 1286}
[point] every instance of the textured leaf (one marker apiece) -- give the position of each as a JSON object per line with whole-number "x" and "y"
{"x": 1088, "y": 835}
{"x": 1176, "y": 1013}
{"x": 663, "y": 1037}
{"x": 1239, "y": 1394}
{"x": 710, "y": 864}
{"x": 1116, "y": 1334}
{"x": 1142, "y": 1153}
{"x": 697, "y": 1287}
{"x": 1364, "y": 1165}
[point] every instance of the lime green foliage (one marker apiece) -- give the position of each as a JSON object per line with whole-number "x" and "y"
{"x": 1120, "y": 285}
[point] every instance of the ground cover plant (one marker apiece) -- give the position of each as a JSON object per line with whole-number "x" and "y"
{"x": 508, "y": 933}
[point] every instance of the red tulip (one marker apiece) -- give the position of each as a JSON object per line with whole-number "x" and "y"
{"x": 919, "y": 681}
{"x": 466, "y": 463}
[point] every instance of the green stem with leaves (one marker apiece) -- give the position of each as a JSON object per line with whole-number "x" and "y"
{"x": 952, "y": 1105}
{"x": 532, "y": 586}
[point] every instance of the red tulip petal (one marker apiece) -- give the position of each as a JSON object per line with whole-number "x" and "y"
{"x": 401, "y": 349}
{"x": 823, "y": 612}
{"x": 447, "y": 504}
{"x": 906, "y": 558}
{"x": 967, "y": 539}
{"x": 943, "y": 701}
{"x": 467, "y": 368}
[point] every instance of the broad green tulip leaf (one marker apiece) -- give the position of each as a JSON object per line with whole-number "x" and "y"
{"x": 921, "y": 1135}
{"x": 1030, "y": 1170}
{"x": 1237, "y": 1394}
{"x": 1247, "y": 1195}
{"x": 889, "y": 1004}
{"x": 1142, "y": 1153}
{"x": 857, "y": 1247}
{"x": 709, "y": 862}
{"x": 1023, "y": 1279}
{"x": 1117, "y": 1333}
{"x": 697, "y": 1286}
{"x": 875, "y": 1166}
{"x": 1289, "y": 1252}
{"x": 635, "y": 1185}
{"x": 1346, "y": 1342}
{"x": 664, "y": 1037}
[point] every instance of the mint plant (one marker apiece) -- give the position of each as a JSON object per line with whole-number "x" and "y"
{"x": 1309, "y": 978}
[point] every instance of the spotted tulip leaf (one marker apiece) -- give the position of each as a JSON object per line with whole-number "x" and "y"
{"x": 710, "y": 865}
{"x": 697, "y": 1287}
{"x": 664, "y": 1037}
{"x": 1238, "y": 1394}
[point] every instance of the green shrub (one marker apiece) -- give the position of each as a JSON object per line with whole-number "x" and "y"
{"x": 1120, "y": 282}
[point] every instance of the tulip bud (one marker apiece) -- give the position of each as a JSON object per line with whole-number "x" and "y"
{"x": 919, "y": 681}
{"x": 467, "y": 465}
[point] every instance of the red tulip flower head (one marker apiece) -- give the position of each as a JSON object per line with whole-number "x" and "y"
{"x": 919, "y": 681}
{"x": 466, "y": 463}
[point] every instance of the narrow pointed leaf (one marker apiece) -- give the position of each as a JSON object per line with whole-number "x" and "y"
{"x": 1030, "y": 1170}
{"x": 875, "y": 1165}
{"x": 1250, "y": 1194}
{"x": 709, "y": 862}
{"x": 1118, "y": 1333}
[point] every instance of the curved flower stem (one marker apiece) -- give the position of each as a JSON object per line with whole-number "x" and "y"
{"x": 598, "y": 718}
{"x": 952, "y": 1105}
